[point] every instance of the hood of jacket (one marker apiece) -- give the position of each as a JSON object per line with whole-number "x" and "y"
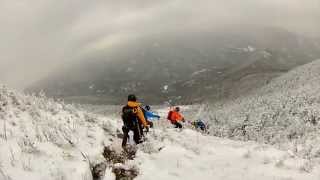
{"x": 133, "y": 104}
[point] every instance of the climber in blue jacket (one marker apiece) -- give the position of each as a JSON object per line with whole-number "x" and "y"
{"x": 149, "y": 115}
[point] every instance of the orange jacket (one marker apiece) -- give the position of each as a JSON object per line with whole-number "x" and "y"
{"x": 139, "y": 112}
{"x": 176, "y": 116}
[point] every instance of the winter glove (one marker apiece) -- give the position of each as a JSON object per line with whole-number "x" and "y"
{"x": 151, "y": 124}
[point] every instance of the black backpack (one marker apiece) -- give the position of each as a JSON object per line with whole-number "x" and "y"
{"x": 129, "y": 117}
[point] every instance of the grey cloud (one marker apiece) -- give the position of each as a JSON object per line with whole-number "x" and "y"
{"x": 38, "y": 36}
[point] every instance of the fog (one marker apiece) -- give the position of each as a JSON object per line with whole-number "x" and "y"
{"x": 39, "y": 36}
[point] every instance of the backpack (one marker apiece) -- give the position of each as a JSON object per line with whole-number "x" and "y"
{"x": 129, "y": 117}
{"x": 169, "y": 117}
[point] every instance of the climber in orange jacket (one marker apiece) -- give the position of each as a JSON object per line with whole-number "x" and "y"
{"x": 132, "y": 116}
{"x": 176, "y": 117}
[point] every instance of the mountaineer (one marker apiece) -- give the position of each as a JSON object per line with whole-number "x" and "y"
{"x": 199, "y": 124}
{"x": 149, "y": 115}
{"x": 175, "y": 117}
{"x": 132, "y": 116}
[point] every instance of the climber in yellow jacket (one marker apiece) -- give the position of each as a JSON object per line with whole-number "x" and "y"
{"x": 133, "y": 117}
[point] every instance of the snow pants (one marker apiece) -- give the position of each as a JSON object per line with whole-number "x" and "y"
{"x": 136, "y": 135}
{"x": 177, "y": 125}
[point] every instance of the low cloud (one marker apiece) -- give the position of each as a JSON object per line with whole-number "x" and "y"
{"x": 39, "y": 36}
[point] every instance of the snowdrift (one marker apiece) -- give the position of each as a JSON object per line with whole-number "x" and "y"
{"x": 285, "y": 112}
{"x": 44, "y": 139}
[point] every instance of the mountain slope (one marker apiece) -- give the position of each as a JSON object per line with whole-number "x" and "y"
{"x": 185, "y": 68}
{"x": 43, "y": 139}
{"x": 283, "y": 112}
{"x": 190, "y": 155}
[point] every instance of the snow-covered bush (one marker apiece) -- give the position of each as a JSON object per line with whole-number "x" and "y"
{"x": 40, "y": 137}
{"x": 286, "y": 112}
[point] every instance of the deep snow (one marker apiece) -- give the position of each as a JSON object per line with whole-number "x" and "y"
{"x": 41, "y": 139}
{"x": 190, "y": 155}
{"x": 46, "y": 140}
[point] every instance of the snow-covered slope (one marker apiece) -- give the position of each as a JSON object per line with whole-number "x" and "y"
{"x": 285, "y": 112}
{"x": 43, "y": 139}
{"x": 190, "y": 155}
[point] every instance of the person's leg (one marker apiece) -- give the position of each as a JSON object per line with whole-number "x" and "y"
{"x": 125, "y": 138}
{"x": 141, "y": 134}
{"x": 137, "y": 135}
{"x": 179, "y": 125}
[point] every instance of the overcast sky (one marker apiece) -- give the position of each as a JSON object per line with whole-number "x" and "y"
{"x": 38, "y": 36}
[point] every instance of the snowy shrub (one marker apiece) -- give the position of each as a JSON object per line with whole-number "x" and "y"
{"x": 112, "y": 156}
{"x": 285, "y": 111}
{"x": 125, "y": 172}
{"x": 27, "y": 145}
{"x": 50, "y": 133}
{"x": 98, "y": 171}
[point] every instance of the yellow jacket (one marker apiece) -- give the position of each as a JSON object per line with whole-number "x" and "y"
{"x": 139, "y": 112}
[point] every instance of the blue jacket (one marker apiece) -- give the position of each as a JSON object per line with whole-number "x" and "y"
{"x": 150, "y": 115}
